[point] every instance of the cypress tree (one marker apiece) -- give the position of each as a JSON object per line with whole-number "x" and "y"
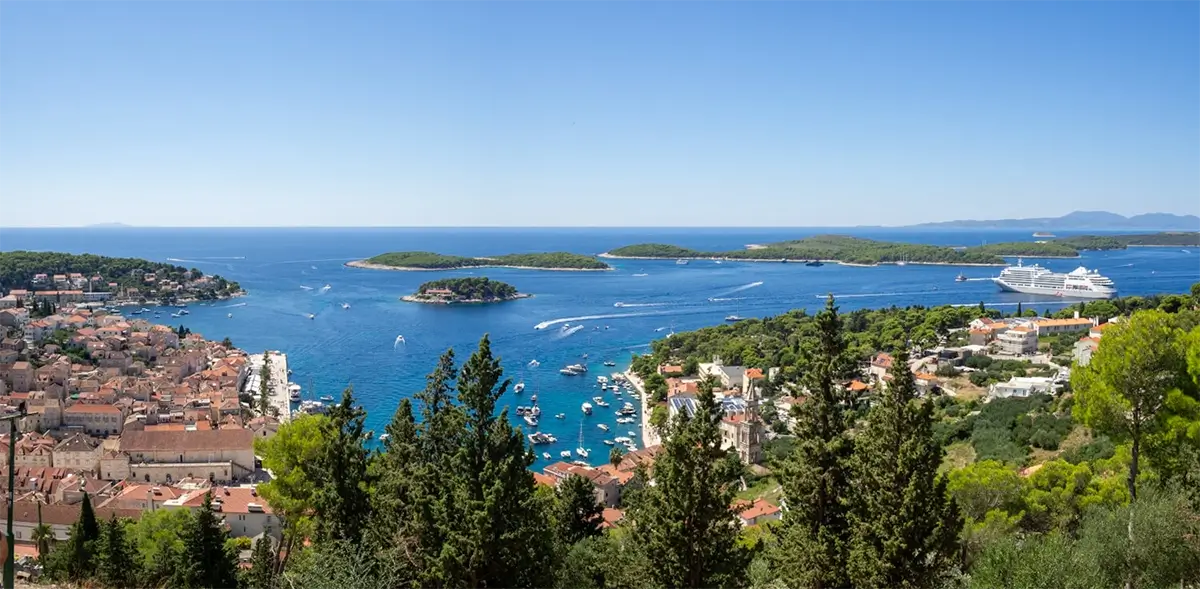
{"x": 496, "y": 534}
{"x": 342, "y": 498}
{"x": 88, "y": 526}
{"x": 204, "y": 561}
{"x": 905, "y": 526}
{"x": 814, "y": 531}
{"x": 80, "y": 549}
{"x": 1019, "y": 312}
{"x": 685, "y": 523}
{"x": 115, "y": 562}
{"x": 263, "y": 562}
{"x": 579, "y": 513}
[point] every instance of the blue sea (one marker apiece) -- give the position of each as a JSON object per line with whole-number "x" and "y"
{"x": 285, "y": 272}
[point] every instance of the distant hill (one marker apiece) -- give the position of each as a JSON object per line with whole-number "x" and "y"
{"x": 1082, "y": 220}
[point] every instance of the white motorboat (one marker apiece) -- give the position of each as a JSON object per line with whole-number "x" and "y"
{"x": 565, "y": 454}
{"x": 519, "y": 388}
{"x": 587, "y": 408}
{"x": 546, "y": 455}
{"x": 345, "y": 305}
{"x": 603, "y": 426}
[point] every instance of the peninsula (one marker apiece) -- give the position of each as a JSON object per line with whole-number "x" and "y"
{"x": 73, "y": 278}
{"x": 471, "y": 290}
{"x": 561, "y": 261}
{"x": 1115, "y": 242}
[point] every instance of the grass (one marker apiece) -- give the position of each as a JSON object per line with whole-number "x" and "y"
{"x": 766, "y": 487}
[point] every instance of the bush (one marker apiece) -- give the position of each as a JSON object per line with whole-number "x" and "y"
{"x": 979, "y": 378}
{"x": 1101, "y": 448}
{"x": 947, "y": 371}
{"x": 978, "y": 362}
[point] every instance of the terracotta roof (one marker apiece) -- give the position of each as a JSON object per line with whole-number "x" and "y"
{"x": 1062, "y": 322}
{"x": 858, "y": 385}
{"x": 233, "y": 499}
{"x": 611, "y": 517}
{"x": 64, "y": 514}
{"x": 546, "y": 480}
{"x": 152, "y": 441}
{"x": 92, "y": 408}
{"x": 755, "y": 510}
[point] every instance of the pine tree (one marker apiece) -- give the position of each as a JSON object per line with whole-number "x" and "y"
{"x": 579, "y": 513}
{"x": 905, "y": 526}
{"x": 342, "y": 498}
{"x": 115, "y": 561}
{"x": 495, "y": 532}
{"x": 685, "y": 523}
{"x": 80, "y": 549}
{"x": 814, "y": 533}
{"x": 205, "y": 562}
{"x": 263, "y": 563}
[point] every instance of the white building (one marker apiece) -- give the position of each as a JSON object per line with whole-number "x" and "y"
{"x": 1021, "y": 386}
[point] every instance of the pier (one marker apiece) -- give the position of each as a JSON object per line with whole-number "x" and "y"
{"x": 277, "y": 383}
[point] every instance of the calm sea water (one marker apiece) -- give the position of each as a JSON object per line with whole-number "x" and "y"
{"x": 285, "y": 271}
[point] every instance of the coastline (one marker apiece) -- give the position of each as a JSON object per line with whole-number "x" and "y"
{"x": 423, "y": 301}
{"x": 801, "y": 261}
{"x": 365, "y": 265}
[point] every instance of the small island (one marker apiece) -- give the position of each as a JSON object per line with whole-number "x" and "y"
{"x": 472, "y": 290}
{"x": 1120, "y": 242}
{"x": 560, "y": 261}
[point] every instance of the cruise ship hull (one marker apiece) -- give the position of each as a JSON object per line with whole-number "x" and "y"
{"x": 1054, "y": 292}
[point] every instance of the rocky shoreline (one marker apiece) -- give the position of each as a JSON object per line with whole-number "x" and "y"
{"x": 371, "y": 266}
{"x": 798, "y": 261}
{"x": 439, "y": 301}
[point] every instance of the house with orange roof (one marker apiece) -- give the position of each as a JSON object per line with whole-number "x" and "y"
{"x": 1098, "y": 330}
{"x": 95, "y": 419}
{"x": 246, "y": 513}
{"x": 757, "y": 512}
{"x": 879, "y": 366}
{"x": 612, "y": 517}
{"x": 1084, "y": 349}
{"x": 1056, "y": 326}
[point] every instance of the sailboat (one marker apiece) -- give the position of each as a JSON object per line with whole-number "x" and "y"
{"x": 581, "y": 451}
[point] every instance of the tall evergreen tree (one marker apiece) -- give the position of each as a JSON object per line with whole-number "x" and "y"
{"x": 76, "y": 559}
{"x": 115, "y": 563}
{"x": 262, "y": 565}
{"x": 579, "y": 513}
{"x": 686, "y": 523}
{"x": 88, "y": 526}
{"x": 205, "y": 562}
{"x": 342, "y": 499}
{"x": 813, "y": 536}
{"x": 905, "y": 526}
{"x": 495, "y": 533}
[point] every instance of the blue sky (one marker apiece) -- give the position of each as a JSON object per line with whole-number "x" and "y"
{"x": 606, "y": 113}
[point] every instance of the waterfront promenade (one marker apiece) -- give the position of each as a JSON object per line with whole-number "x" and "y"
{"x": 277, "y": 381}
{"x": 649, "y": 436}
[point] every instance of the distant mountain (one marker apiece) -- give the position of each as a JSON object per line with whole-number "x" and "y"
{"x": 1082, "y": 220}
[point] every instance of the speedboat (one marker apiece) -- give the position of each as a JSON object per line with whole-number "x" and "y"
{"x": 229, "y": 315}
{"x": 345, "y": 305}
{"x": 560, "y": 416}
{"x": 546, "y": 455}
{"x": 384, "y": 437}
{"x": 603, "y": 427}
{"x": 608, "y": 442}
{"x": 184, "y": 312}
{"x": 587, "y": 408}
{"x": 960, "y": 278}
{"x": 327, "y": 398}
{"x": 609, "y": 363}
{"x": 815, "y": 263}
{"x": 681, "y": 262}
{"x": 519, "y": 388}
{"x": 531, "y": 420}
{"x": 311, "y": 316}
{"x": 602, "y": 403}
{"x": 565, "y": 454}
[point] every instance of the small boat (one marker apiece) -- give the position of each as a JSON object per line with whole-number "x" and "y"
{"x": 384, "y": 437}
{"x": 546, "y": 455}
{"x": 533, "y": 398}
{"x": 815, "y": 263}
{"x": 681, "y": 262}
{"x": 135, "y": 312}
{"x": 327, "y": 398}
{"x": 608, "y": 442}
{"x": 632, "y": 435}
{"x": 519, "y": 388}
{"x": 601, "y": 403}
{"x": 311, "y": 316}
{"x": 531, "y": 420}
{"x": 565, "y": 454}
{"x": 294, "y": 396}
{"x": 734, "y": 318}
{"x": 587, "y": 408}
{"x": 560, "y": 416}
{"x": 345, "y": 305}
{"x": 229, "y": 315}
{"x": 184, "y": 312}
{"x": 609, "y": 363}
{"x": 582, "y": 452}
{"x": 960, "y": 278}
{"x": 176, "y": 315}
{"x": 631, "y": 447}
{"x": 578, "y": 367}
{"x": 602, "y": 380}
{"x": 603, "y": 426}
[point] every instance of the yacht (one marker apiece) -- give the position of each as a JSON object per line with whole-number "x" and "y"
{"x": 531, "y": 420}
{"x": 586, "y": 407}
{"x": 1079, "y": 283}
{"x": 681, "y": 262}
{"x": 537, "y": 438}
{"x": 580, "y": 368}
{"x": 603, "y": 426}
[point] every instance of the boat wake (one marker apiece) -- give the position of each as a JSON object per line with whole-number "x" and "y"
{"x": 234, "y": 305}
{"x": 545, "y": 324}
{"x": 640, "y": 274}
{"x": 570, "y": 330}
{"x": 618, "y": 304}
{"x": 186, "y": 261}
{"x": 723, "y": 299}
{"x": 306, "y": 287}
{"x": 739, "y": 289}
{"x": 324, "y": 289}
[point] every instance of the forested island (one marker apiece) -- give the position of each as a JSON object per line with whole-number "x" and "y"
{"x": 464, "y": 291}
{"x": 827, "y": 248}
{"x": 1116, "y": 242}
{"x": 132, "y": 278}
{"x": 435, "y": 261}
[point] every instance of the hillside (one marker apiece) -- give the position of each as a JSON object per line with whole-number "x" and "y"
{"x": 1080, "y": 220}
{"x": 20, "y": 270}
{"x": 1111, "y": 242}
{"x": 435, "y": 261}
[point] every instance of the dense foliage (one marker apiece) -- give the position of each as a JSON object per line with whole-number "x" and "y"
{"x": 1113, "y": 242}
{"x": 842, "y": 248}
{"x": 1050, "y": 249}
{"x": 471, "y": 288}
{"x": 17, "y": 269}
{"x": 432, "y": 261}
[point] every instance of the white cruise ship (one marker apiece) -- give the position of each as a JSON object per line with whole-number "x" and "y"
{"x": 1079, "y": 283}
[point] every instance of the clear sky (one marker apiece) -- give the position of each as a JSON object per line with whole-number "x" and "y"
{"x": 606, "y": 113}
